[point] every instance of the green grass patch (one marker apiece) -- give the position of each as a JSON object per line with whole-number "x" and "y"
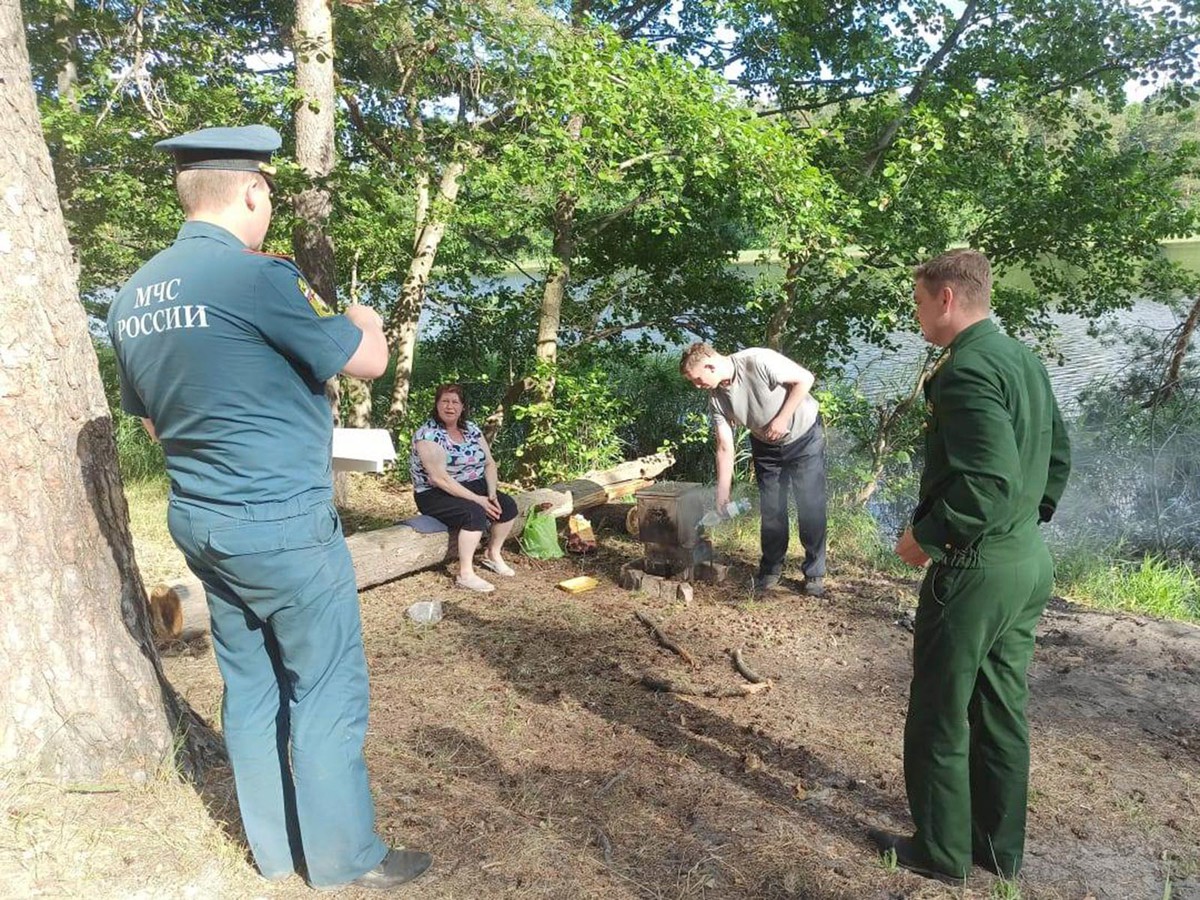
{"x": 855, "y": 538}
{"x": 1152, "y": 586}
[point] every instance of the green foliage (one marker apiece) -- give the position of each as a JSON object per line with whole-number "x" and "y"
{"x": 1004, "y": 889}
{"x": 143, "y": 73}
{"x": 855, "y": 538}
{"x": 987, "y": 125}
{"x": 579, "y": 431}
{"x": 873, "y": 444}
{"x": 854, "y": 140}
{"x": 139, "y": 457}
{"x": 667, "y": 413}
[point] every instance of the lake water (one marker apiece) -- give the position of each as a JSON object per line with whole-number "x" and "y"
{"x": 1086, "y": 352}
{"x": 1084, "y": 356}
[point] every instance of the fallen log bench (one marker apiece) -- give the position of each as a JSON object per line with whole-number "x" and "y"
{"x": 384, "y": 554}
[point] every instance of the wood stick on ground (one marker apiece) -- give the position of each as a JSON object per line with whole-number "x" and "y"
{"x": 605, "y": 844}
{"x": 669, "y": 686}
{"x": 661, "y": 637}
{"x": 743, "y": 667}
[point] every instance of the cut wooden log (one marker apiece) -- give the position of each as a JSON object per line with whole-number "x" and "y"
{"x": 636, "y": 469}
{"x": 388, "y": 553}
{"x": 614, "y": 516}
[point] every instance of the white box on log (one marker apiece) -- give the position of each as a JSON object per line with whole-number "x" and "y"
{"x": 362, "y": 449}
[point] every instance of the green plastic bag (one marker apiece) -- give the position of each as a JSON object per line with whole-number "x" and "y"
{"x": 539, "y": 539}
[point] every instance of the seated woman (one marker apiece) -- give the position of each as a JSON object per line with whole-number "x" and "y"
{"x": 454, "y": 480}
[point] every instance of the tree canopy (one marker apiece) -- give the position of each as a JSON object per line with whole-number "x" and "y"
{"x": 610, "y": 159}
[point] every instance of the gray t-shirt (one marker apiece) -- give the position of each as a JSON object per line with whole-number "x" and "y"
{"x": 757, "y": 392}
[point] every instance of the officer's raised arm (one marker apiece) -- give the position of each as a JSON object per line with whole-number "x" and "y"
{"x": 371, "y": 358}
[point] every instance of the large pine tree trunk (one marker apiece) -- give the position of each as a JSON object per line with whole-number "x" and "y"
{"x": 81, "y": 694}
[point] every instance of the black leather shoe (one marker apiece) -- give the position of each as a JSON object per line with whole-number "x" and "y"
{"x": 814, "y": 587}
{"x": 908, "y": 857}
{"x": 398, "y": 867}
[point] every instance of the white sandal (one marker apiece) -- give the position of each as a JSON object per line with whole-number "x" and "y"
{"x": 500, "y": 568}
{"x": 474, "y": 583}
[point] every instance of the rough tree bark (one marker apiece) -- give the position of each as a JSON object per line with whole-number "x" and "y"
{"x": 402, "y": 333}
{"x": 356, "y": 391}
{"x": 312, "y": 244}
{"x": 83, "y": 693}
{"x": 68, "y": 74}
{"x": 312, "y": 43}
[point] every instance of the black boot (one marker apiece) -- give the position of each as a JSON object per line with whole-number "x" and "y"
{"x": 398, "y": 867}
{"x": 909, "y": 857}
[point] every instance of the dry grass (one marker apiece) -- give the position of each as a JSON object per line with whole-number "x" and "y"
{"x": 157, "y": 556}
{"x": 157, "y": 839}
{"x": 512, "y": 740}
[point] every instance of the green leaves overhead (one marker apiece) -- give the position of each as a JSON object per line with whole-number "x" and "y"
{"x": 847, "y": 141}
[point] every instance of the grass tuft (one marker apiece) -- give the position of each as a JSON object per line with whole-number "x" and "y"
{"x": 1154, "y": 586}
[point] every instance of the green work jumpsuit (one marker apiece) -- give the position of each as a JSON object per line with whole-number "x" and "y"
{"x": 996, "y": 463}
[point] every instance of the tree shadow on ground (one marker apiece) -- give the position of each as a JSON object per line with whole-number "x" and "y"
{"x": 582, "y": 667}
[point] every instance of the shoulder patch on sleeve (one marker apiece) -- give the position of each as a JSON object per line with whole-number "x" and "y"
{"x": 319, "y": 306}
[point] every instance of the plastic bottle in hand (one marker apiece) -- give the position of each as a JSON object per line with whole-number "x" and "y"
{"x": 732, "y": 510}
{"x": 736, "y": 508}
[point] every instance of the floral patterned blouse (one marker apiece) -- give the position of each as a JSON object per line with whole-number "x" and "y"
{"x": 464, "y": 462}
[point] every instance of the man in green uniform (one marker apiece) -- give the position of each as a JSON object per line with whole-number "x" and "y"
{"x": 996, "y": 463}
{"x": 224, "y": 352}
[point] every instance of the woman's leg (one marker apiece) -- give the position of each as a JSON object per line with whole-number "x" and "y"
{"x": 502, "y": 528}
{"x": 470, "y": 520}
{"x": 468, "y": 542}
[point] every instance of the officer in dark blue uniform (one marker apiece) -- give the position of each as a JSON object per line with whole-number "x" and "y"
{"x": 224, "y": 351}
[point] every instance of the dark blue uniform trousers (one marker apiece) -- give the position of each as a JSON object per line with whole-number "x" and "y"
{"x": 797, "y": 470}
{"x": 288, "y": 640}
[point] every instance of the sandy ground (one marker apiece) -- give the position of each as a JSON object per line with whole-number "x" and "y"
{"x": 514, "y": 741}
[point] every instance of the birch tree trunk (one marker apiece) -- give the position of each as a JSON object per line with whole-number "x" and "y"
{"x": 402, "y": 336}
{"x": 312, "y": 245}
{"x": 82, "y": 694}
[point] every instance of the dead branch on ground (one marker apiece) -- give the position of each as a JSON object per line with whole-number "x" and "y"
{"x": 744, "y": 669}
{"x": 669, "y": 686}
{"x": 661, "y": 637}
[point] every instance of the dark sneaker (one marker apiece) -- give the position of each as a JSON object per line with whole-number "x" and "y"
{"x": 813, "y": 587}
{"x": 764, "y": 583}
{"x": 909, "y": 857}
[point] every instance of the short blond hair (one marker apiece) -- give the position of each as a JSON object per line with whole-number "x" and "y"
{"x": 202, "y": 190}
{"x": 967, "y": 271}
{"x": 695, "y": 355}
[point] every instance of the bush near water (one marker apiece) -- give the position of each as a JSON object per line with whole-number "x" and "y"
{"x": 1124, "y": 539}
